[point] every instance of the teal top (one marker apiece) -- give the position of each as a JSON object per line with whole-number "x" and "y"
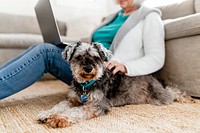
{"x": 105, "y": 34}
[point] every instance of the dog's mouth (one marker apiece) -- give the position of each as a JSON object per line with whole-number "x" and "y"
{"x": 87, "y": 76}
{"x": 86, "y": 73}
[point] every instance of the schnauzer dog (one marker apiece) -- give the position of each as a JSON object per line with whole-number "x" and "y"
{"x": 95, "y": 89}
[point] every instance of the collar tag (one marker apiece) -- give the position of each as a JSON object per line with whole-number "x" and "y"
{"x": 84, "y": 86}
{"x": 84, "y": 98}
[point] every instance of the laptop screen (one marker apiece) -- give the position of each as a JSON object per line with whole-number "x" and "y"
{"x": 47, "y": 22}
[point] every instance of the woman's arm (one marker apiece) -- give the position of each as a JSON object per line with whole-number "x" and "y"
{"x": 154, "y": 51}
{"x": 154, "y": 48}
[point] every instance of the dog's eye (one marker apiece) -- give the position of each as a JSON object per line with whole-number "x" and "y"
{"x": 78, "y": 57}
{"x": 96, "y": 58}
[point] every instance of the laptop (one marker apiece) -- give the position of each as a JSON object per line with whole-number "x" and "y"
{"x": 47, "y": 23}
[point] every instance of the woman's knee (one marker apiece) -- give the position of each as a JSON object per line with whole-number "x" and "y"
{"x": 42, "y": 46}
{"x": 47, "y": 46}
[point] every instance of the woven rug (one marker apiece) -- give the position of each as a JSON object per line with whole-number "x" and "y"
{"x": 18, "y": 116}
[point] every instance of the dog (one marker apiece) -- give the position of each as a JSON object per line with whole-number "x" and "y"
{"x": 94, "y": 89}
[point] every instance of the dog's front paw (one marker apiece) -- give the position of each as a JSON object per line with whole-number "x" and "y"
{"x": 56, "y": 121}
{"x": 42, "y": 117}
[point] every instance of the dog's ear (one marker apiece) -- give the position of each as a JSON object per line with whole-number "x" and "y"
{"x": 69, "y": 50}
{"x": 104, "y": 53}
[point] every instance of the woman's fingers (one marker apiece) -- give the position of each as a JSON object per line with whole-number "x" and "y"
{"x": 115, "y": 66}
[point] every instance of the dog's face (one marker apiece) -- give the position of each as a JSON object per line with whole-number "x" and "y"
{"x": 86, "y": 60}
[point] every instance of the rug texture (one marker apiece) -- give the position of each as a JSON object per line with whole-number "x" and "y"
{"x": 18, "y": 116}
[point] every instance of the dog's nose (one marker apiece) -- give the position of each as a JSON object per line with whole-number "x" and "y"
{"x": 87, "y": 68}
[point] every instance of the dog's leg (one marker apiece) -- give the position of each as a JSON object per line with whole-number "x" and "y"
{"x": 69, "y": 117}
{"x": 160, "y": 95}
{"x": 178, "y": 95}
{"x": 96, "y": 106}
{"x": 57, "y": 109}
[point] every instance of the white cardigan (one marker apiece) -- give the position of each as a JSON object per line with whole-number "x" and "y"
{"x": 139, "y": 43}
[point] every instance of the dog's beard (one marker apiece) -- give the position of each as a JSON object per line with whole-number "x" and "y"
{"x": 81, "y": 76}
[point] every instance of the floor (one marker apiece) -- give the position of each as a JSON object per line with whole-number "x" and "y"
{"x": 18, "y": 114}
{"x": 40, "y": 88}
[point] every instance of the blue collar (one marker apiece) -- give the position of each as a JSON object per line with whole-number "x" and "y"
{"x": 88, "y": 84}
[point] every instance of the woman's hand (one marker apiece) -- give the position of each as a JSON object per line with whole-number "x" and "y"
{"x": 115, "y": 67}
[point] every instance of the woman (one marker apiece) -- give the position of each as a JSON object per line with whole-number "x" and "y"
{"x": 135, "y": 35}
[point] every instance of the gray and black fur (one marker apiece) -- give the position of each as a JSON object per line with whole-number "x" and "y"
{"x": 87, "y": 64}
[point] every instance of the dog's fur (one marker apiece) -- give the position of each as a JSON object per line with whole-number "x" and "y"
{"x": 87, "y": 63}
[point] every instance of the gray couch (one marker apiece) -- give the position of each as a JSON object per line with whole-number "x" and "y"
{"x": 182, "y": 29}
{"x": 18, "y": 32}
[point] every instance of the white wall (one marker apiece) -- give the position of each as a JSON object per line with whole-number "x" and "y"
{"x": 64, "y": 9}
{"x": 155, "y": 3}
{"x": 18, "y": 6}
{"x": 112, "y": 6}
{"x": 81, "y": 16}
{"x": 70, "y": 9}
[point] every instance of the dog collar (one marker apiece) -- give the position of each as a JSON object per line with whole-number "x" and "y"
{"x": 84, "y": 97}
{"x": 87, "y": 84}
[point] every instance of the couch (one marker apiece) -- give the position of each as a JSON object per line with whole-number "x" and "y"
{"x": 18, "y": 32}
{"x": 182, "y": 30}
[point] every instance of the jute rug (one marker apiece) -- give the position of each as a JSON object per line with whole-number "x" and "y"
{"x": 18, "y": 116}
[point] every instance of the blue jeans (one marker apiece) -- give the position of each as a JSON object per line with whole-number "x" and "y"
{"x": 30, "y": 66}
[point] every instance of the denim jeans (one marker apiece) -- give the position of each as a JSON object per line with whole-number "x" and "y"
{"x": 30, "y": 66}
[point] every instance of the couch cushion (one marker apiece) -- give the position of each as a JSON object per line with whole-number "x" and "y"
{"x": 197, "y": 6}
{"x": 182, "y": 65}
{"x": 11, "y": 23}
{"x": 178, "y": 9}
{"x": 23, "y": 41}
{"x": 62, "y": 27}
{"x": 19, "y": 40}
{"x": 182, "y": 27}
